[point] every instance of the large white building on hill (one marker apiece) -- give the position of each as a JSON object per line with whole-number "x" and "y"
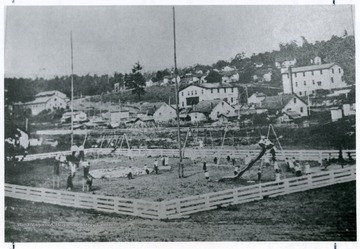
{"x": 193, "y": 94}
{"x": 49, "y": 100}
{"x": 304, "y": 81}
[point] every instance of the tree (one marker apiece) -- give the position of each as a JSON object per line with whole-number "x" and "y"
{"x": 136, "y": 81}
{"x": 213, "y": 77}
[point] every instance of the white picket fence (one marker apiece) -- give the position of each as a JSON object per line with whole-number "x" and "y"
{"x": 301, "y": 155}
{"x": 179, "y": 208}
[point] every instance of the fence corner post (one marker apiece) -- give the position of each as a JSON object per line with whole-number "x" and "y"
{"x": 162, "y": 210}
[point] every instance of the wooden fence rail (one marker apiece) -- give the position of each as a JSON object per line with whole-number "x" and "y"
{"x": 313, "y": 155}
{"x": 180, "y": 207}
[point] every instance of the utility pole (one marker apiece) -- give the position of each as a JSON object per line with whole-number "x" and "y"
{"x": 181, "y": 168}
{"x": 72, "y": 91}
{"x": 239, "y": 103}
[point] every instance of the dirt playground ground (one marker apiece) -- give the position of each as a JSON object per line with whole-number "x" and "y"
{"x": 164, "y": 186}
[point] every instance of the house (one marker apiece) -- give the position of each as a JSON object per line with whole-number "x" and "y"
{"x": 189, "y": 80}
{"x": 256, "y": 98}
{"x": 306, "y": 80}
{"x": 267, "y": 76}
{"x": 284, "y": 61}
{"x": 118, "y": 87}
{"x": 284, "y": 103}
{"x": 259, "y": 64}
{"x": 193, "y": 94}
{"x": 164, "y": 113}
{"x": 149, "y": 83}
{"x": 230, "y": 76}
{"x": 211, "y": 110}
{"x": 49, "y": 100}
{"x": 143, "y": 122}
{"x": 79, "y": 117}
{"x": 349, "y": 109}
{"x": 119, "y": 117}
{"x": 228, "y": 69}
{"x": 336, "y": 113}
{"x": 168, "y": 80}
{"x": 288, "y": 117}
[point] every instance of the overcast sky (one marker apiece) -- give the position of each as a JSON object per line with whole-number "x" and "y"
{"x": 109, "y": 39}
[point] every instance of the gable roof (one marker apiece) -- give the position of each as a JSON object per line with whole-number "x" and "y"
{"x": 49, "y": 93}
{"x": 206, "y": 106}
{"x": 310, "y": 68}
{"x": 150, "y": 108}
{"x": 278, "y": 102}
{"x": 39, "y": 100}
{"x": 210, "y": 86}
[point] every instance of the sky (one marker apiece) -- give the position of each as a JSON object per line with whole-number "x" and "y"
{"x": 108, "y": 39}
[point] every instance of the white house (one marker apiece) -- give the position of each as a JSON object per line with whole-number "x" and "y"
{"x": 164, "y": 113}
{"x": 45, "y": 101}
{"x": 285, "y": 103}
{"x": 149, "y": 83}
{"x": 349, "y": 109}
{"x": 336, "y": 113}
{"x": 305, "y": 80}
{"x": 285, "y": 62}
{"x": 230, "y": 77}
{"x": 79, "y": 116}
{"x": 193, "y": 94}
{"x": 256, "y": 98}
{"x": 211, "y": 110}
{"x": 170, "y": 80}
{"x": 118, "y": 117}
{"x": 267, "y": 76}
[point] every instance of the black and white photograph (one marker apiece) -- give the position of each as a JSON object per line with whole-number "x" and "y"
{"x": 179, "y": 123}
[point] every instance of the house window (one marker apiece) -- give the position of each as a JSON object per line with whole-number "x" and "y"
{"x": 225, "y": 99}
{"x": 195, "y": 92}
{"x": 294, "y": 100}
{"x": 332, "y": 79}
{"x": 218, "y": 113}
{"x": 295, "y": 75}
{"x": 202, "y": 91}
{"x": 320, "y": 71}
{"x": 339, "y": 70}
{"x": 232, "y": 89}
{"x": 312, "y": 73}
{"x": 211, "y": 90}
{"x": 300, "y": 93}
{"x": 304, "y": 74}
{"x": 192, "y": 93}
{"x": 304, "y": 83}
{"x": 159, "y": 113}
{"x": 305, "y": 93}
{"x": 218, "y": 90}
{"x": 319, "y": 83}
{"x": 332, "y": 70}
{"x": 301, "y": 109}
{"x": 232, "y": 100}
{"x": 55, "y": 99}
{"x": 188, "y": 93}
{"x": 313, "y": 92}
{"x": 224, "y": 90}
{"x": 296, "y": 84}
{"x": 183, "y": 103}
{"x": 313, "y": 82}
{"x": 182, "y": 93}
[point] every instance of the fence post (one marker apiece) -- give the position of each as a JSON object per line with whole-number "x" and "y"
{"x": 260, "y": 191}
{"x": 286, "y": 186}
{"x": 178, "y": 207}
{"x": 207, "y": 202}
{"x": 309, "y": 181}
{"x": 162, "y": 210}
{"x": 235, "y": 197}
{"x": 332, "y": 176}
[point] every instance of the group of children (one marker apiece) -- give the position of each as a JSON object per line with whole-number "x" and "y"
{"x": 164, "y": 161}
{"x": 72, "y": 163}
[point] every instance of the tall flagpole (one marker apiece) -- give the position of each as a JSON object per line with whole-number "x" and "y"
{"x": 181, "y": 170}
{"x": 72, "y": 91}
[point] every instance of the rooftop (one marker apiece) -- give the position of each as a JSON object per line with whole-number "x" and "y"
{"x": 206, "y": 106}
{"x": 310, "y": 68}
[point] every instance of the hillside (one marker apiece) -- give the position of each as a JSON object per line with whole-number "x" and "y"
{"x": 338, "y": 49}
